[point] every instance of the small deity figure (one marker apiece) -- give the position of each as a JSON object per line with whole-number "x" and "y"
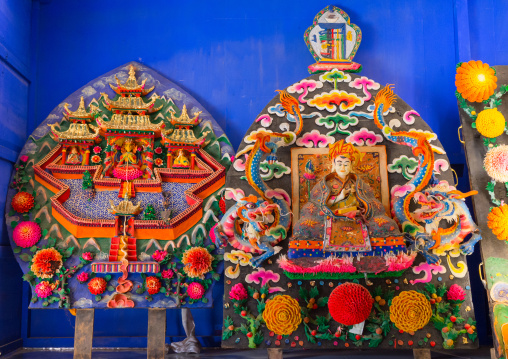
{"x": 181, "y": 161}
{"x": 74, "y": 157}
{"x": 343, "y": 215}
{"x": 128, "y": 161}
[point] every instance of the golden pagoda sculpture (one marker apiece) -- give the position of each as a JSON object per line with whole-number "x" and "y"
{"x": 181, "y": 141}
{"x": 129, "y": 132}
{"x": 78, "y": 138}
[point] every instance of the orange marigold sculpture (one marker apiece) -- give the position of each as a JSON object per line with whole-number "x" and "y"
{"x": 490, "y": 123}
{"x": 282, "y": 315}
{"x": 197, "y": 261}
{"x": 153, "y": 285}
{"x": 22, "y": 202}
{"x": 350, "y": 303}
{"x": 410, "y": 311}
{"x": 46, "y": 262}
{"x": 475, "y": 81}
{"x": 497, "y": 220}
{"x": 97, "y": 285}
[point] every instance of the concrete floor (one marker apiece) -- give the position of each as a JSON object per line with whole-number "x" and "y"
{"x": 482, "y": 353}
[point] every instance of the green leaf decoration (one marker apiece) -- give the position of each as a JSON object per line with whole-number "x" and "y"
{"x": 226, "y": 334}
{"x": 14, "y": 224}
{"x": 244, "y": 329}
{"x": 107, "y": 277}
{"x": 303, "y": 293}
{"x": 25, "y": 257}
{"x": 98, "y": 298}
{"x": 373, "y": 343}
{"x": 45, "y": 303}
{"x": 314, "y": 292}
{"x": 261, "y": 307}
{"x": 216, "y": 276}
{"x": 204, "y": 300}
{"x": 38, "y": 221}
{"x": 323, "y": 301}
{"x": 441, "y": 290}
{"x": 140, "y": 290}
{"x": 16, "y": 250}
{"x": 110, "y": 288}
{"x": 258, "y": 338}
{"x": 33, "y": 249}
{"x": 163, "y": 290}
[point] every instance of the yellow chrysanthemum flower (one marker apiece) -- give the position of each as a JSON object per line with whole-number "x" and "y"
{"x": 282, "y": 315}
{"x": 410, "y": 311}
{"x": 490, "y": 123}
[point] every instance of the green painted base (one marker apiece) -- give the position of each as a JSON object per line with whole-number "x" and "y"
{"x": 342, "y": 275}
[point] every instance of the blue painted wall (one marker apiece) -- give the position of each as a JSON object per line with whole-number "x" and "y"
{"x": 15, "y": 83}
{"x": 231, "y": 56}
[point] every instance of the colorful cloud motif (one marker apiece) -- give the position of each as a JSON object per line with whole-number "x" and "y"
{"x": 304, "y": 87}
{"x": 234, "y": 193}
{"x": 441, "y": 165}
{"x": 264, "y": 120}
{"x": 335, "y": 76}
{"x": 239, "y": 163}
{"x": 330, "y": 101}
{"x": 399, "y": 191}
{"x": 338, "y": 122}
{"x": 275, "y": 169}
{"x": 263, "y": 276}
{"x": 409, "y": 116}
{"x": 405, "y": 165}
{"x": 364, "y": 137}
{"x": 314, "y": 139}
{"x": 366, "y": 84}
{"x": 251, "y": 138}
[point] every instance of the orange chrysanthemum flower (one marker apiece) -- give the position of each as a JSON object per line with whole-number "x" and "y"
{"x": 197, "y": 262}
{"x": 97, "y": 285}
{"x": 410, "y": 311}
{"x": 497, "y": 220}
{"x": 282, "y": 315}
{"x": 22, "y": 202}
{"x": 153, "y": 285}
{"x": 46, "y": 262}
{"x": 475, "y": 81}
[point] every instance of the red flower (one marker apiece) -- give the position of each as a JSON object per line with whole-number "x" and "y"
{"x": 26, "y": 234}
{"x": 456, "y": 293}
{"x": 350, "y": 303}
{"x": 82, "y": 277}
{"x": 23, "y": 158}
{"x": 87, "y": 256}
{"x": 196, "y": 290}
{"x": 238, "y": 292}
{"x": 158, "y": 150}
{"x": 159, "y": 255}
{"x": 167, "y": 274}
{"x": 22, "y": 202}
{"x": 96, "y": 159}
{"x": 97, "y": 285}
{"x": 159, "y": 162}
{"x": 97, "y": 149}
{"x": 153, "y": 285}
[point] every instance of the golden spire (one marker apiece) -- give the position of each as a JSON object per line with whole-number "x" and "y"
{"x": 80, "y": 113}
{"x": 184, "y": 119}
{"x": 131, "y": 85}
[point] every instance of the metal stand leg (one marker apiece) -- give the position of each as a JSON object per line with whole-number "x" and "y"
{"x": 421, "y": 353}
{"x": 156, "y": 333}
{"x": 83, "y": 334}
{"x": 274, "y": 353}
{"x": 191, "y": 343}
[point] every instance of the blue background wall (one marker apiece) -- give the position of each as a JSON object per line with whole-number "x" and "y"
{"x": 231, "y": 56}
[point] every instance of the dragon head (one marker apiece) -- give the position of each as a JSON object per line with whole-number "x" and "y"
{"x": 257, "y": 214}
{"x": 438, "y": 202}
